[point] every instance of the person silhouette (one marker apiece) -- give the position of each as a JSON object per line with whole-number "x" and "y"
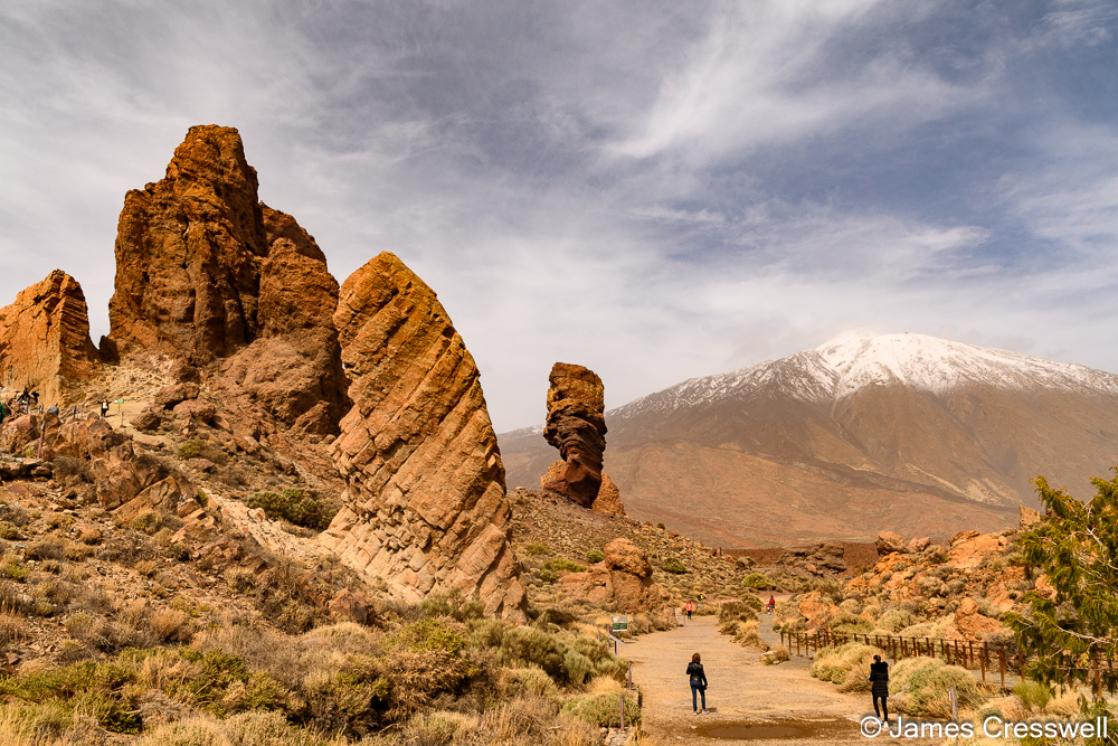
{"x": 698, "y": 680}
{"x": 879, "y": 687}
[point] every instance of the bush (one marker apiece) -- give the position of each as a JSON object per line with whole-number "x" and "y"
{"x": 192, "y": 449}
{"x": 594, "y": 556}
{"x": 919, "y": 687}
{"x": 735, "y": 611}
{"x": 561, "y": 564}
{"x": 1034, "y": 695}
{"x": 894, "y": 620}
{"x": 603, "y": 710}
{"x": 846, "y": 665}
{"x": 292, "y": 505}
{"x": 779, "y": 654}
{"x": 673, "y": 566}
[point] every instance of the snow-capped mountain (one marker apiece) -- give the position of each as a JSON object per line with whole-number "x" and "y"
{"x": 863, "y": 433}
{"x": 851, "y": 362}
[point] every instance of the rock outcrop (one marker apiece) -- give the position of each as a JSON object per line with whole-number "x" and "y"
{"x": 206, "y": 271}
{"x": 576, "y": 425}
{"x": 425, "y": 509}
{"x": 44, "y": 340}
{"x": 96, "y": 463}
{"x": 622, "y": 581}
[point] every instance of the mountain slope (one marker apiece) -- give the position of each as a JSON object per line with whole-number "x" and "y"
{"x": 900, "y": 431}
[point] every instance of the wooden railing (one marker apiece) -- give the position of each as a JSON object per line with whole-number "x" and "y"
{"x": 984, "y": 657}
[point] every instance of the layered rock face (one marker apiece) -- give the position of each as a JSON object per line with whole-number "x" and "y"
{"x": 206, "y": 271}
{"x": 425, "y": 508}
{"x": 576, "y": 425}
{"x": 44, "y": 339}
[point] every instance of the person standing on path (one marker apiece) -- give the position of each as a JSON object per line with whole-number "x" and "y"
{"x": 689, "y": 609}
{"x": 879, "y": 687}
{"x": 698, "y": 679}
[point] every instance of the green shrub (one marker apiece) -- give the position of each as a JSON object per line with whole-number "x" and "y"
{"x": 11, "y": 567}
{"x": 192, "y": 449}
{"x": 537, "y": 550}
{"x": 293, "y": 505}
{"x": 919, "y": 687}
{"x": 1034, "y": 695}
{"x": 594, "y": 556}
{"x": 562, "y": 564}
{"x": 674, "y": 566}
{"x": 603, "y": 710}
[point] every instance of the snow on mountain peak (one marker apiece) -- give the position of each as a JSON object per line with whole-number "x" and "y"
{"x": 935, "y": 364}
{"x": 853, "y": 361}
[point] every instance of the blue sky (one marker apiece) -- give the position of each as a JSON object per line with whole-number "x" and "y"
{"x": 655, "y": 190}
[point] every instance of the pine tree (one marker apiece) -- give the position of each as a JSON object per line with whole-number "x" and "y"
{"x": 1070, "y": 631}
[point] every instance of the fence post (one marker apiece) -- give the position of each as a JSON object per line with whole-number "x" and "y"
{"x": 982, "y": 661}
{"x": 1001, "y": 665}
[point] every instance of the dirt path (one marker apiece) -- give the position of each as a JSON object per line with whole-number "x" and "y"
{"x": 743, "y": 693}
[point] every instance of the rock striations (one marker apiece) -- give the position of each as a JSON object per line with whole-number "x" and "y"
{"x": 576, "y": 425}
{"x": 44, "y": 339}
{"x": 206, "y": 271}
{"x": 425, "y": 509}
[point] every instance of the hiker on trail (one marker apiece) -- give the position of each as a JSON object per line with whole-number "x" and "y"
{"x": 104, "y": 408}
{"x": 771, "y": 604}
{"x": 689, "y": 609}
{"x": 698, "y": 679}
{"x": 879, "y": 687}
{"x": 54, "y": 411}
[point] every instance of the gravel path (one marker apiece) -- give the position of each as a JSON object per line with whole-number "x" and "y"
{"x": 745, "y": 696}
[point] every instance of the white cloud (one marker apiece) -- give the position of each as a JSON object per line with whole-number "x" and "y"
{"x": 578, "y": 181}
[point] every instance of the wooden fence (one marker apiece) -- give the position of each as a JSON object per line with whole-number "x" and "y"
{"x": 986, "y": 658}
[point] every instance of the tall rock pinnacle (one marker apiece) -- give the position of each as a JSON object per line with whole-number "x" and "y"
{"x": 425, "y": 509}
{"x": 44, "y": 339}
{"x": 576, "y": 425}
{"x": 205, "y": 271}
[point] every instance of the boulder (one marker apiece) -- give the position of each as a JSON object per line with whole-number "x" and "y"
{"x": 970, "y": 549}
{"x": 576, "y": 425}
{"x": 609, "y": 498}
{"x": 425, "y": 508}
{"x": 44, "y": 340}
{"x": 974, "y": 625}
{"x": 889, "y": 542}
{"x": 621, "y": 582}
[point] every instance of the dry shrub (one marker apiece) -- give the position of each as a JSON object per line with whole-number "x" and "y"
{"x": 13, "y": 628}
{"x": 846, "y": 665}
{"x": 170, "y": 625}
{"x": 918, "y": 686}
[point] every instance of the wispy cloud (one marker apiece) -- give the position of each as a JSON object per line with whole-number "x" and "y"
{"x": 655, "y": 190}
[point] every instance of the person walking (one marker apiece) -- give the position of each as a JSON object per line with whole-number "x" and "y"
{"x": 698, "y": 679}
{"x": 104, "y": 408}
{"x": 879, "y": 687}
{"x": 689, "y": 608}
{"x": 771, "y": 605}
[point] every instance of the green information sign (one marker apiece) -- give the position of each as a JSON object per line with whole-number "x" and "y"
{"x": 620, "y": 623}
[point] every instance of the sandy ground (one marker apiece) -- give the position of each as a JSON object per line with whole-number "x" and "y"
{"x": 742, "y": 692}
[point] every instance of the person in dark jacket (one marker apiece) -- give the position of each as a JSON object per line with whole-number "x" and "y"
{"x": 698, "y": 679}
{"x": 879, "y": 687}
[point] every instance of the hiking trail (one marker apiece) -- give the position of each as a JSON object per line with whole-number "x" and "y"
{"x": 750, "y": 703}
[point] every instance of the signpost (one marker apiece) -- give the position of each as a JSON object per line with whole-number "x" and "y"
{"x": 620, "y": 623}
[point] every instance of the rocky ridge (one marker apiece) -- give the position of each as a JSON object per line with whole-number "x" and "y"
{"x": 44, "y": 340}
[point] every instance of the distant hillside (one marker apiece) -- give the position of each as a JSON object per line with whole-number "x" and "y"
{"x": 902, "y": 431}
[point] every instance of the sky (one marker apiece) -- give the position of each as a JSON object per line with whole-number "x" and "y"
{"x": 656, "y": 190}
